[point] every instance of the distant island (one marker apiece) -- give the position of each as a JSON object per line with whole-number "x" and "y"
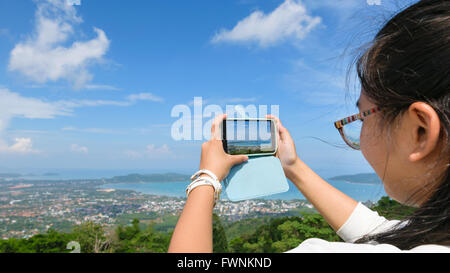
{"x": 147, "y": 178}
{"x": 50, "y": 174}
{"x": 10, "y": 175}
{"x": 363, "y": 178}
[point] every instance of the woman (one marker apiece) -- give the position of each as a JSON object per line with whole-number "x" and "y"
{"x": 404, "y": 109}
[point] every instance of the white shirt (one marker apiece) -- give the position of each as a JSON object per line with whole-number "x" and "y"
{"x": 362, "y": 221}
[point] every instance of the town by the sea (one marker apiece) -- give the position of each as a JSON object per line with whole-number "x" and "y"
{"x": 361, "y": 187}
{"x": 32, "y": 202}
{"x": 359, "y": 191}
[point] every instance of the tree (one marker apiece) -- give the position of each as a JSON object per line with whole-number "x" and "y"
{"x": 237, "y": 245}
{"x": 50, "y": 242}
{"x": 91, "y": 238}
{"x": 131, "y": 239}
{"x": 220, "y": 243}
{"x": 392, "y": 209}
{"x": 284, "y": 233}
{"x": 257, "y": 235}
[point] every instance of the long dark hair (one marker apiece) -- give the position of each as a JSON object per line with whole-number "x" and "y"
{"x": 409, "y": 61}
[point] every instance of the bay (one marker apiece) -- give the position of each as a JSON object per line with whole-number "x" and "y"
{"x": 358, "y": 191}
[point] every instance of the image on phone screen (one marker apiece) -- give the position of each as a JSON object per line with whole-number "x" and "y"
{"x": 249, "y": 137}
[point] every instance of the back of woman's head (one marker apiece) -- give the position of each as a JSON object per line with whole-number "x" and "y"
{"x": 409, "y": 61}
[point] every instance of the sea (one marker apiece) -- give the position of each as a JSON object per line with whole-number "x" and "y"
{"x": 359, "y": 191}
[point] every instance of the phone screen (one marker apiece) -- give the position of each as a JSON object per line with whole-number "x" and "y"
{"x": 248, "y": 136}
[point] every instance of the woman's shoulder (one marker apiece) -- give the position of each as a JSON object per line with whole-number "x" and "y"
{"x": 319, "y": 245}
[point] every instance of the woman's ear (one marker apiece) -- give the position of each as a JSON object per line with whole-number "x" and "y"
{"x": 425, "y": 128}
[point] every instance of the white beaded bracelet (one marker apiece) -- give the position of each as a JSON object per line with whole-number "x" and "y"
{"x": 205, "y": 180}
{"x": 196, "y": 183}
{"x": 204, "y": 171}
{"x": 213, "y": 178}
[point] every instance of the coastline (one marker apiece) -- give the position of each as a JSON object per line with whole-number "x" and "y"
{"x": 358, "y": 183}
{"x": 359, "y": 191}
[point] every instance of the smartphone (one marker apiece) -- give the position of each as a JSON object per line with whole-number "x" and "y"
{"x": 252, "y": 137}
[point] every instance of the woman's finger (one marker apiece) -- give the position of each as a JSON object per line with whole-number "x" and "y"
{"x": 238, "y": 159}
{"x": 215, "y": 127}
{"x": 284, "y": 134}
{"x": 277, "y": 120}
{"x": 280, "y": 127}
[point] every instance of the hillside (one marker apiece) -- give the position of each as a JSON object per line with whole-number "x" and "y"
{"x": 365, "y": 178}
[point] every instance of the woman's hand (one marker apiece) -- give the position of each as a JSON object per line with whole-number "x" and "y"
{"x": 213, "y": 156}
{"x": 286, "y": 148}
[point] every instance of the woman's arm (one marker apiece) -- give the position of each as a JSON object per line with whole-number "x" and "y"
{"x": 193, "y": 232}
{"x": 332, "y": 204}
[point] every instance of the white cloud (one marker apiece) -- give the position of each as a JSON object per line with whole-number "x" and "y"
{"x": 144, "y": 96}
{"x": 79, "y": 149}
{"x": 20, "y": 146}
{"x": 374, "y": 2}
{"x": 43, "y": 57}
{"x": 70, "y": 104}
{"x": 130, "y": 100}
{"x": 133, "y": 154}
{"x": 289, "y": 20}
{"x": 225, "y": 101}
{"x": 101, "y": 87}
{"x": 153, "y": 150}
{"x": 150, "y": 151}
{"x": 91, "y": 130}
{"x": 13, "y": 105}
{"x": 74, "y": 2}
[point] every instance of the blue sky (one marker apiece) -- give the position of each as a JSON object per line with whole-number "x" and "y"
{"x": 92, "y": 84}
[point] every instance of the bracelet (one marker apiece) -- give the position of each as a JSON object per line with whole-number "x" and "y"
{"x": 197, "y": 183}
{"x": 216, "y": 184}
{"x": 205, "y": 181}
{"x": 203, "y": 171}
{"x": 201, "y": 181}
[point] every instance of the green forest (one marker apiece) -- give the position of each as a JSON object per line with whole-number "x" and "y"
{"x": 258, "y": 235}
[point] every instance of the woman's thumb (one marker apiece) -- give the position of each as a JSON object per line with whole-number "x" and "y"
{"x": 238, "y": 159}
